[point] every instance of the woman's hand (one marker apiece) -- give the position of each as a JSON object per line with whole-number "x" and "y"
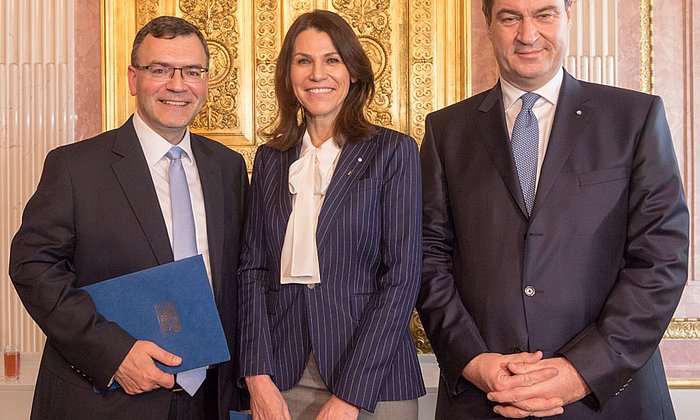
{"x": 266, "y": 402}
{"x": 338, "y": 409}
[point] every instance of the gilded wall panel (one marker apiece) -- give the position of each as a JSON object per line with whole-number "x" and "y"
{"x": 373, "y": 24}
{"x": 422, "y": 65}
{"x": 244, "y": 37}
{"x": 147, "y": 10}
{"x": 406, "y": 41}
{"x": 220, "y": 26}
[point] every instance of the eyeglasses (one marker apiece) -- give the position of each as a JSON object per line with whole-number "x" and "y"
{"x": 163, "y": 72}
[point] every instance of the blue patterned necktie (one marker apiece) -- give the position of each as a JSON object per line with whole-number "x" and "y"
{"x": 184, "y": 242}
{"x": 524, "y": 143}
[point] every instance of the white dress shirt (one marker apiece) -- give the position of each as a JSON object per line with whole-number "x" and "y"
{"x": 544, "y": 110}
{"x": 154, "y": 148}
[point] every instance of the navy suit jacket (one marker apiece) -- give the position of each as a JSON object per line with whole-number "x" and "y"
{"x": 368, "y": 237}
{"x": 594, "y": 274}
{"x": 95, "y": 215}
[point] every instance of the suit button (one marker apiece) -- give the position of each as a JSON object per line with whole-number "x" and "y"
{"x": 529, "y": 291}
{"x": 311, "y": 286}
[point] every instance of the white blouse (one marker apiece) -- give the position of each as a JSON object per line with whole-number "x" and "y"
{"x": 309, "y": 178}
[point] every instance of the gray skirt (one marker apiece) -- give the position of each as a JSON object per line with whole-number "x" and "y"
{"x": 307, "y": 398}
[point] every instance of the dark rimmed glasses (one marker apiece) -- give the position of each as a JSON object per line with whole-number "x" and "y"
{"x": 163, "y": 72}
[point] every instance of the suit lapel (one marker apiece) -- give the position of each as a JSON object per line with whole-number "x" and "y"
{"x": 572, "y": 114}
{"x": 212, "y": 183}
{"x": 494, "y": 135}
{"x": 286, "y": 159}
{"x": 352, "y": 163}
{"x": 284, "y": 209}
{"x": 135, "y": 179}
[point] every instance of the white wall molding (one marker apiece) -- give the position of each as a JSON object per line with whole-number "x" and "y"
{"x": 36, "y": 115}
{"x": 593, "y": 41}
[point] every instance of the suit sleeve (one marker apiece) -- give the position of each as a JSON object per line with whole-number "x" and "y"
{"x": 649, "y": 285}
{"x": 41, "y": 268}
{"x": 385, "y": 317}
{"x": 452, "y": 332}
{"x": 253, "y": 276}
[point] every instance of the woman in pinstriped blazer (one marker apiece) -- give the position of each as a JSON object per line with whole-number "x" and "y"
{"x": 330, "y": 267}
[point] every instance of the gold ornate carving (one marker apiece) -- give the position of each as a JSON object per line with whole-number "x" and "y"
{"x": 218, "y": 22}
{"x": 146, "y": 10}
{"x": 300, "y": 7}
{"x": 421, "y": 64}
{"x": 248, "y": 153}
{"x": 266, "y": 42}
{"x": 421, "y": 91}
{"x": 373, "y": 25}
{"x": 678, "y": 329}
{"x": 684, "y": 383}
{"x": 418, "y": 333}
{"x": 646, "y": 75}
{"x": 406, "y": 41}
{"x": 683, "y": 329}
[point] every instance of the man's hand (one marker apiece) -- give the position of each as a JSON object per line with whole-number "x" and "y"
{"x": 338, "y": 409}
{"x": 266, "y": 402}
{"x": 138, "y": 373}
{"x": 544, "y": 398}
{"x": 489, "y": 371}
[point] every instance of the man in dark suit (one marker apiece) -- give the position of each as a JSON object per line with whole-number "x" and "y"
{"x": 102, "y": 209}
{"x": 551, "y": 268}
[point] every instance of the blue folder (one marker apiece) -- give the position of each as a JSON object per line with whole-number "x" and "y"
{"x": 171, "y": 305}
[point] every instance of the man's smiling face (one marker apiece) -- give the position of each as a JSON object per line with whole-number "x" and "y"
{"x": 168, "y": 106}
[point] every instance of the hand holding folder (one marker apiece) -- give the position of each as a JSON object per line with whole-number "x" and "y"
{"x": 171, "y": 305}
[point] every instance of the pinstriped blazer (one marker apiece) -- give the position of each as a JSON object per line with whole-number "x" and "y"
{"x": 369, "y": 244}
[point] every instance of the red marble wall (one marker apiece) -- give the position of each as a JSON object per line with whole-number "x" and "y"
{"x": 628, "y": 37}
{"x": 677, "y": 80}
{"x": 484, "y": 68}
{"x": 88, "y": 71}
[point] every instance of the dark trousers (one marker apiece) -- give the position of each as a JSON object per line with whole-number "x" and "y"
{"x": 202, "y": 406}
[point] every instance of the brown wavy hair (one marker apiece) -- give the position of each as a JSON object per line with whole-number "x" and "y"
{"x": 351, "y": 124}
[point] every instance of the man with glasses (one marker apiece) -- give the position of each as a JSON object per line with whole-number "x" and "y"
{"x": 102, "y": 209}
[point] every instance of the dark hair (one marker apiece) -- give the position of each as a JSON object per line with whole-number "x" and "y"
{"x": 351, "y": 124}
{"x": 487, "y": 7}
{"x": 167, "y": 27}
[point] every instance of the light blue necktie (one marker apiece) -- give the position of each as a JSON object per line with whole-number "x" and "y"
{"x": 184, "y": 242}
{"x": 524, "y": 143}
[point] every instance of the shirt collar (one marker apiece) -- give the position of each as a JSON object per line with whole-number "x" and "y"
{"x": 549, "y": 91}
{"x": 155, "y": 146}
{"x": 326, "y": 152}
